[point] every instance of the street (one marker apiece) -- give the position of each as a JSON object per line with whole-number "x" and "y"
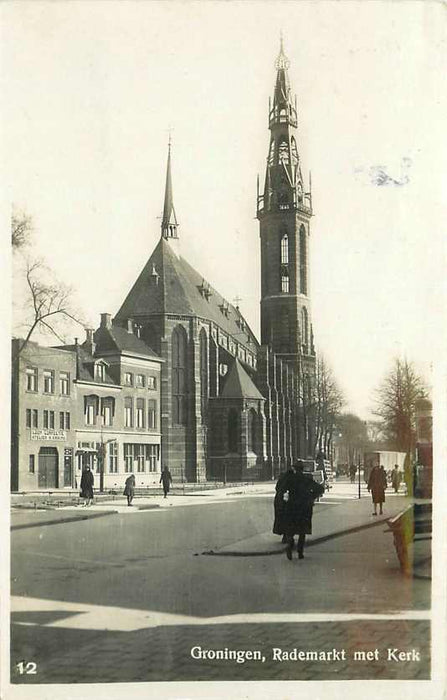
{"x": 128, "y": 595}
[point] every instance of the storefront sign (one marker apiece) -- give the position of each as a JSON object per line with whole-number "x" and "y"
{"x": 48, "y": 434}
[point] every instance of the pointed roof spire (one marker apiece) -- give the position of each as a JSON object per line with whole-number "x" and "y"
{"x": 282, "y": 62}
{"x": 169, "y": 222}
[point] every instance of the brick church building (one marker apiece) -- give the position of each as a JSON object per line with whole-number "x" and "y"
{"x": 233, "y": 407}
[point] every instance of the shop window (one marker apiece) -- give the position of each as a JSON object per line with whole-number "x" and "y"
{"x": 113, "y": 457}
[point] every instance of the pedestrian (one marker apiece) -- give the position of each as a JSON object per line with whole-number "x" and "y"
{"x": 352, "y": 472}
{"x": 377, "y": 484}
{"x": 395, "y": 478}
{"x": 279, "y": 504}
{"x": 302, "y": 491}
{"x": 166, "y": 480}
{"x": 129, "y": 489}
{"x": 87, "y": 481}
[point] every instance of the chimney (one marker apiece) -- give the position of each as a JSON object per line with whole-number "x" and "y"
{"x": 106, "y": 320}
{"x": 130, "y": 325}
{"x": 89, "y": 343}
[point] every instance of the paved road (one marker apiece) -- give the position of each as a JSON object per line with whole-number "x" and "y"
{"x": 126, "y": 597}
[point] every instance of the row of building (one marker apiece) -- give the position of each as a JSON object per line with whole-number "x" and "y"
{"x": 177, "y": 377}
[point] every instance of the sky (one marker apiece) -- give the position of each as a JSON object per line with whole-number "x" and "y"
{"x": 94, "y": 89}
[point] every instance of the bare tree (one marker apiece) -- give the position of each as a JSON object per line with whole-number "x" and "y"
{"x": 396, "y": 400}
{"x": 328, "y": 401}
{"x": 42, "y": 304}
{"x": 21, "y": 229}
{"x": 352, "y": 438}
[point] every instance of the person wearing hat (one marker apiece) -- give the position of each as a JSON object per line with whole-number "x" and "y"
{"x": 303, "y": 491}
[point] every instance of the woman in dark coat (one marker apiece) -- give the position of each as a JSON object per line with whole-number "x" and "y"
{"x": 303, "y": 491}
{"x": 279, "y": 504}
{"x": 87, "y": 481}
{"x": 129, "y": 488}
{"x": 377, "y": 484}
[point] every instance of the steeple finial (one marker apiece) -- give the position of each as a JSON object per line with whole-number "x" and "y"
{"x": 169, "y": 222}
{"x": 282, "y": 62}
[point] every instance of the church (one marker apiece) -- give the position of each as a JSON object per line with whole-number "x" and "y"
{"x": 233, "y": 408}
{"x": 177, "y": 378}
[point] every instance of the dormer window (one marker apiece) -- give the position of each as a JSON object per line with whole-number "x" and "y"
{"x": 100, "y": 371}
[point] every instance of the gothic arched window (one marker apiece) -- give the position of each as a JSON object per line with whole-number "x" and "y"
{"x": 283, "y": 152}
{"x": 251, "y": 431}
{"x": 304, "y": 329}
{"x": 284, "y": 279}
{"x": 179, "y": 376}
{"x": 285, "y": 249}
{"x": 303, "y": 261}
{"x": 232, "y": 430}
{"x": 203, "y": 372}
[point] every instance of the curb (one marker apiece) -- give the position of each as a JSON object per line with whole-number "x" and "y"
{"x": 62, "y": 521}
{"x": 311, "y": 543}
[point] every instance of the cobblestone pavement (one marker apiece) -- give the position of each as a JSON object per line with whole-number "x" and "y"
{"x": 164, "y": 653}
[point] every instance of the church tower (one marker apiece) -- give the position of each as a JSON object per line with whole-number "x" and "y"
{"x": 284, "y": 211}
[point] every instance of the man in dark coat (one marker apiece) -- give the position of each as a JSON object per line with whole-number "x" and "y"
{"x": 166, "y": 480}
{"x": 87, "y": 481}
{"x": 377, "y": 484}
{"x": 303, "y": 491}
{"x": 279, "y": 504}
{"x": 129, "y": 489}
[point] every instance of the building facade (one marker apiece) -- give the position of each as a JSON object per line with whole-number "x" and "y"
{"x": 94, "y": 404}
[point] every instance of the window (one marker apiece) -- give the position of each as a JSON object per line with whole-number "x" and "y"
{"x": 283, "y": 152}
{"x": 151, "y": 383}
{"x": 32, "y": 464}
{"x": 113, "y": 457}
{"x": 203, "y": 372}
{"x": 128, "y": 378}
{"x": 139, "y": 414}
{"x": 285, "y": 249}
{"x": 107, "y": 411}
{"x": 64, "y": 383}
{"x": 251, "y": 437}
{"x": 100, "y": 372}
{"x": 48, "y": 419}
{"x": 303, "y": 261}
{"x": 48, "y": 381}
{"x": 28, "y": 418}
{"x": 151, "y": 414}
{"x": 139, "y": 456}
{"x": 139, "y": 380}
{"x": 285, "y": 281}
{"x": 151, "y": 458}
{"x": 128, "y": 457}
{"x": 35, "y": 418}
{"x": 64, "y": 420}
{"x": 178, "y": 376}
{"x": 304, "y": 329}
{"x": 31, "y": 378}
{"x": 128, "y": 412}
{"x": 90, "y": 409}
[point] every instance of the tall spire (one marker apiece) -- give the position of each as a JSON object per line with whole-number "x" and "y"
{"x": 169, "y": 222}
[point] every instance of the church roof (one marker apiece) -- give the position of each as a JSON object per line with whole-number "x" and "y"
{"x": 239, "y": 385}
{"x": 178, "y": 288}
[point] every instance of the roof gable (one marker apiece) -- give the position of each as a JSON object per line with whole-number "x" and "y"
{"x": 239, "y": 384}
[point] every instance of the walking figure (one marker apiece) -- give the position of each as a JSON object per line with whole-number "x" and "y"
{"x": 302, "y": 491}
{"x": 166, "y": 480}
{"x": 87, "y": 481}
{"x": 129, "y": 489}
{"x": 395, "y": 478}
{"x": 377, "y": 484}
